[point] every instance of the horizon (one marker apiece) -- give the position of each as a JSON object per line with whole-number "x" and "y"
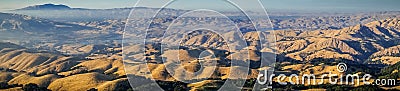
{"x": 270, "y": 5}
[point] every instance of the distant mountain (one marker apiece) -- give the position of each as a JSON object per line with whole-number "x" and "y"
{"x": 66, "y": 13}
{"x": 48, "y": 7}
{"x": 18, "y": 28}
{"x": 16, "y": 22}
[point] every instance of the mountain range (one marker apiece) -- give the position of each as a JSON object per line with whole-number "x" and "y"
{"x": 60, "y": 72}
{"x": 84, "y": 66}
{"x": 66, "y": 13}
{"x": 17, "y": 22}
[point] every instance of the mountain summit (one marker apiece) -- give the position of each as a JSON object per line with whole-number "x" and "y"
{"x": 47, "y": 7}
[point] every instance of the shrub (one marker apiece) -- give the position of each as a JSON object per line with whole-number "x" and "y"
{"x": 33, "y": 87}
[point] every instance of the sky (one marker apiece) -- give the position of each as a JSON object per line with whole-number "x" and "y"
{"x": 310, "y": 5}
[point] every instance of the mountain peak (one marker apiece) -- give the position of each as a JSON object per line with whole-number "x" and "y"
{"x": 48, "y": 6}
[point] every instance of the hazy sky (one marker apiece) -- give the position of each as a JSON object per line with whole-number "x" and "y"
{"x": 311, "y": 5}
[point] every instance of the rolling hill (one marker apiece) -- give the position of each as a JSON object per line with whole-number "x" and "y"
{"x": 375, "y": 41}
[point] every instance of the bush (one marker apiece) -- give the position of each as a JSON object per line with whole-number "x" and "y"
{"x": 5, "y": 85}
{"x": 34, "y": 87}
{"x": 368, "y": 88}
